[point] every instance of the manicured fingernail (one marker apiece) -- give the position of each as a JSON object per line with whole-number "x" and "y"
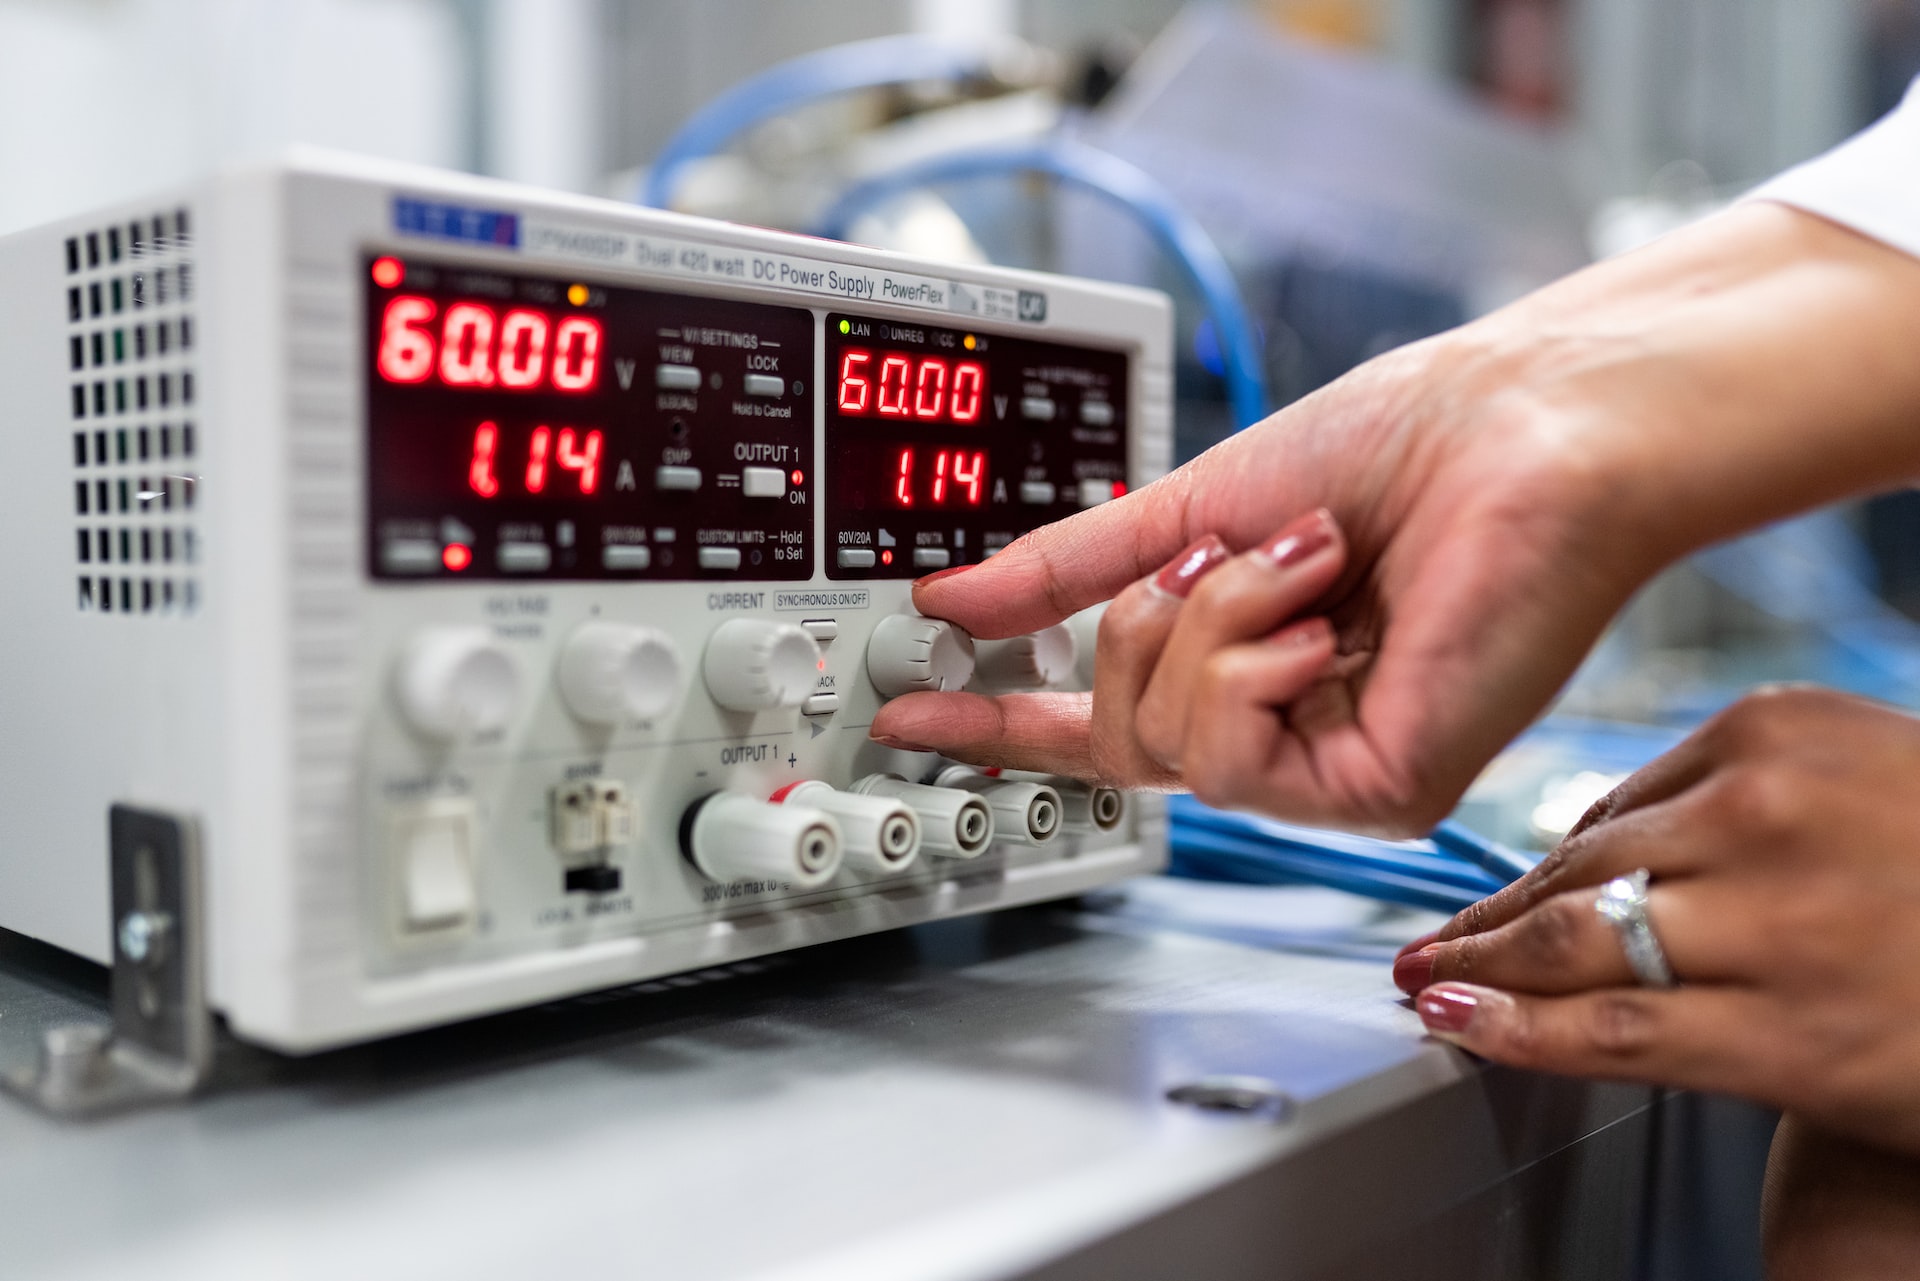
{"x": 1447, "y": 1011}
{"x": 1432, "y": 936}
{"x": 1312, "y": 632}
{"x": 939, "y": 574}
{"x": 1190, "y": 566}
{"x": 1413, "y": 972}
{"x": 899, "y": 744}
{"x": 1302, "y": 539}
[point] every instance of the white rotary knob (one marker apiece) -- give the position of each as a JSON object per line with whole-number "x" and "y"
{"x": 1036, "y": 661}
{"x": 753, "y": 665}
{"x": 455, "y": 682}
{"x": 616, "y": 672}
{"x": 909, "y": 653}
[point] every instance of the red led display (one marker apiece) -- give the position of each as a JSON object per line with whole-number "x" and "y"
{"x": 928, "y": 389}
{"x": 474, "y": 345}
{"x": 939, "y": 478}
{"x": 568, "y": 450}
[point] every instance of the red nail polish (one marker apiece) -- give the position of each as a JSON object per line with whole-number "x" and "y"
{"x": 899, "y": 744}
{"x": 939, "y": 574}
{"x": 1447, "y": 1009}
{"x": 1311, "y": 632}
{"x": 1432, "y": 936}
{"x": 1190, "y": 566}
{"x": 1302, "y": 539}
{"x": 1413, "y": 973}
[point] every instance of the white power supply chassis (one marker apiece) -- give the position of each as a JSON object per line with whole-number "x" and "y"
{"x": 488, "y": 591}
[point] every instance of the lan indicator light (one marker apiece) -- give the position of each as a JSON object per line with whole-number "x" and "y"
{"x": 846, "y": 326}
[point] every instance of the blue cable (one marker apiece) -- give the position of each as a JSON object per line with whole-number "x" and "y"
{"x": 846, "y": 68}
{"x": 1174, "y": 231}
{"x": 1504, "y": 864}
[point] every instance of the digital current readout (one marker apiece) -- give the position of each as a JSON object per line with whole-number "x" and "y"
{"x": 944, "y": 445}
{"x": 523, "y": 426}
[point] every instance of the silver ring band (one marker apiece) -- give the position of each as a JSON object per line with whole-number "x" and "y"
{"x": 1623, "y": 905}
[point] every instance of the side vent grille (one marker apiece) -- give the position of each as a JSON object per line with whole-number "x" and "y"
{"x": 132, "y": 343}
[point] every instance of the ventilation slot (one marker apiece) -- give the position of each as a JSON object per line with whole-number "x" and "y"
{"x": 126, "y": 294}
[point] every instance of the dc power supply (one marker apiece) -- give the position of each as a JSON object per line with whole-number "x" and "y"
{"x": 498, "y": 585}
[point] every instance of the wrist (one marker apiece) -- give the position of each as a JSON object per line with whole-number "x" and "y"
{"x": 1754, "y": 366}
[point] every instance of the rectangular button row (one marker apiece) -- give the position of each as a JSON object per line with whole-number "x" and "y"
{"x": 687, "y": 378}
{"x": 1094, "y": 413}
{"x": 923, "y": 558}
{"x": 755, "y": 482}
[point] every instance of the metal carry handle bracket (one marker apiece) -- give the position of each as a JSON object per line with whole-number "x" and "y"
{"x": 159, "y": 1046}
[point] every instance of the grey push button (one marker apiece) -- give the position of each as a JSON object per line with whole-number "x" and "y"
{"x": 763, "y": 385}
{"x": 1038, "y": 492}
{"x": 524, "y": 558}
{"x": 931, "y": 557}
{"x": 681, "y": 478}
{"x": 1096, "y": 413}
{"x": 820, "y": 705}
{"x": 821, "y": 629}
{"x": 677, "y": 378}
{"x": 410, "y": 556}
{"x": 719, "y": 558}
{"x": 763, "y": 482}
{"x": 625, "y": 556}
{"x": 1095, "y": 492}
{"x": 1038, "y": 408}
{"x": 856, "y": 558}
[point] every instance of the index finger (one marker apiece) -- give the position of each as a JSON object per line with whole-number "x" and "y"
{"x": 1060, "y": 569}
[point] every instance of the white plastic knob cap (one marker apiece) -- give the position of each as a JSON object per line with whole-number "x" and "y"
{"x": 754, "y": 665}
{"x": 1037, "y": 661}
{"x": 456, "y": 682}
{"x": 615, "y": 672}
{"x": 908, "y": 653}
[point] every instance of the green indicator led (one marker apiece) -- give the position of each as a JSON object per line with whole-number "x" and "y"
{"x": 846, "y": 326}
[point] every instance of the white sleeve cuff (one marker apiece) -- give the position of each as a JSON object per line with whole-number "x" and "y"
{"x": 1870, "y": 183}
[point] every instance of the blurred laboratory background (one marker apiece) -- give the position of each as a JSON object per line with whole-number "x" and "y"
{"x": 1358, "y": 174}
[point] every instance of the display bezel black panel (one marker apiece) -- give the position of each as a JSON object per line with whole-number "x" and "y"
{"x": 425, "y": 463}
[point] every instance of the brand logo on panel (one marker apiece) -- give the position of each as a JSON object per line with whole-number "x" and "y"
{"x": 456, "y": 222}
{"x": 1033, "y": 305}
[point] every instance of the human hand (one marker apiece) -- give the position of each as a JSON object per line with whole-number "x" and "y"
{"x": 1784, "y": 844}
{"x": 1500, "y": 490}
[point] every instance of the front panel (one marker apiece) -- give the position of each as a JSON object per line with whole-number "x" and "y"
{"x": 600, "y": 527}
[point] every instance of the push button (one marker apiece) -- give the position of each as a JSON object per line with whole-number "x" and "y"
{"x": 1096, "y": 413}
{"x": 719, "y": 558}
{"x": 525, "y": 558}
{"x": 931, "y": 557}
{"x": 1095, "y": 492}
{"x": 685, "y": 479}
{"x": 1038, "y": 408}
{"x": 410, "y": 556}
{"x": 821, "y": 629}
{"x": 856, "y": 558}
{"x": 820, "y": 705}
{"x": 763, "y": 482}
{"x": 763, "y": 385}
{"x": 677, "y": 378}
{"x": 625, "y": 556}
{"x": 1038, "y": 492}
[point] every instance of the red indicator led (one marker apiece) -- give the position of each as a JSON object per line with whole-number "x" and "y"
{"x": 886, "y": 556}
{"x": 456, "y": 556}
{"x": 387, "y": 272}
{"x": 1119, "y": 489}
{"x": 799, "y": 478}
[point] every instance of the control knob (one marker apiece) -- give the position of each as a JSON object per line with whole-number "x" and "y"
{"x": 1036, "y": 661}
{"x": 455, "y": 682}
{"x": 754, "y": 665}
{"x": 909, "y": 653}
{"x": 615, "y": 672}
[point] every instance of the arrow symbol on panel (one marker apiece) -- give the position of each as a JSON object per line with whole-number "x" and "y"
{"x": 624, "y": 368}
{"x": 999, "y": 406}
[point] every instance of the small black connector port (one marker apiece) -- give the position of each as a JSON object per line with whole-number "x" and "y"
{"x": 600, "y": 879}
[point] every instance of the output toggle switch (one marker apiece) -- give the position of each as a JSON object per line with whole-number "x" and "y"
{"x": 616, "y": 672}
{"x": 455, "y": 682}
{"x": 1039, "y": 660}
{"x": 908, "y": 653}
{"x": 754, "y": 665}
